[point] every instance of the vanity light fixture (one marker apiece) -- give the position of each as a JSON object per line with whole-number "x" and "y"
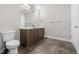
{"x": 25, "y": 6}
{"x": 38, "y": 9}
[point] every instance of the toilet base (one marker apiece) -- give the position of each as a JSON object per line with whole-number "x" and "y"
{"x": 14, "y": 51}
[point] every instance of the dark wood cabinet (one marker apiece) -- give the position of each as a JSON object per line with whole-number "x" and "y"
{"x": 29, "y": 36}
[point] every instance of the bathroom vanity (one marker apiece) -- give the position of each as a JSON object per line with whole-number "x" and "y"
{"x": 29, "y": 36}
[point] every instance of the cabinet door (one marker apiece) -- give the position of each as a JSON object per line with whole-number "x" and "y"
{"x": 23, "y": 37}
{"x": 35, "y": 34}
{"x": 74, "y": 26}
{"x": 30, "y": 36}
{"x": 40, "y": 33}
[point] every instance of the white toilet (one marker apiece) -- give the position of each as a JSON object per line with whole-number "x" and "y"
{"x": 11, "y": 43}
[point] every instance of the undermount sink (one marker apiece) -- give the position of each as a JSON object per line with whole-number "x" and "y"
{"x": 40, "y": 27}
{"x": 31, "y": 27}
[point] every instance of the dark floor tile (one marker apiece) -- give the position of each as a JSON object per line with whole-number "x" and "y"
{"x": 48, "y": 46}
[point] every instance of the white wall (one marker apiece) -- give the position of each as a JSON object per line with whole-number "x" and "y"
{"x": 55, "y": 18}
{"x": 75, "y": 22}
{"x": 8, "y": 17}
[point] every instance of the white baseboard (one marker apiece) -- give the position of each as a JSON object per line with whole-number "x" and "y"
{"x": 57, "y": 38}
{"x": 77, "y": 51}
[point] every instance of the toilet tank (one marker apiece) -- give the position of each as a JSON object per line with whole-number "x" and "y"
{"x": 8, "y": 35}
{"x": 1, "y": 45}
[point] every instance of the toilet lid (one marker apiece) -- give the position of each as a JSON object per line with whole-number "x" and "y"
{"x": 12, "y": 42}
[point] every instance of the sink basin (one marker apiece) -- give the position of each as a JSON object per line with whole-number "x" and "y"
{"x": 31, "y": 27}
{"x": 40, "y": 27}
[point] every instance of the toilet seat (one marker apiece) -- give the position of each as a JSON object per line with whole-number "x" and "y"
{"x": 12, "y": 44}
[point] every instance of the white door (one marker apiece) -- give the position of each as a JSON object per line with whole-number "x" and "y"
{"x": 74, "y": 25}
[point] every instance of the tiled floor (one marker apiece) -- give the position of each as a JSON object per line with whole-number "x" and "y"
{"x": 49, "y": 46}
